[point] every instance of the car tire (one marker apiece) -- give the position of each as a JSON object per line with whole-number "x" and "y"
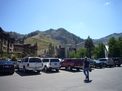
{"x": 24, "y": 70}
{"x": 119, "y": 65}
{"x": 78, "y": 69}
{"x": 11, "y": 73}
{"x": 57, "y": 70}
{"x": 45, "y": 68}
{"x": 69, "y": 68}
{"x": 38, "y": 71}
{"x": 18, "y": 68}
{"x": 106, "y": 65}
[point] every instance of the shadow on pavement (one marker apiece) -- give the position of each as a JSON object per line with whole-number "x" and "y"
{"x": 29, "y": 73}
{"x": 51, "y": 71}
{"x": 5, "y": 74}
{"x": 73, "y": 70}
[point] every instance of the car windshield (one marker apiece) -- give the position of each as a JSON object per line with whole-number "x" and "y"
{"x": 78, "y": 60}
{"x": 5, "y": 62}
{"x": 103, "y": 59}
{"x": 115, "y": 59}
{"x": 35, "y": 60}
{"x": 54, "y": 60}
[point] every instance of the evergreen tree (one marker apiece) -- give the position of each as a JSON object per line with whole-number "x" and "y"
{"x": 51, "y": 49}
{"x": 119, "y": 43}
{"x": 89, "y": 45}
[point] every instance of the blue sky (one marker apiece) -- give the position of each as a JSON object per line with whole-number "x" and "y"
{"x": 94, "y": 18}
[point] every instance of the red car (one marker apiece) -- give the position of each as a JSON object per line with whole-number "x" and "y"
{"x": 72, "y": 63}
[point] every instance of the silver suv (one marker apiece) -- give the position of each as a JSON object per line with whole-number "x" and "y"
{"x": 30, "y": 64}
{"x": 51, "y": 63}
{"x": 106, "y": 61}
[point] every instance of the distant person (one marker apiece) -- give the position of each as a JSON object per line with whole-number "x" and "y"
{"x": 86, "y": 68}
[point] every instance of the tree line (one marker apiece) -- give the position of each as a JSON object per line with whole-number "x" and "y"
{"x": 98, "y": 51}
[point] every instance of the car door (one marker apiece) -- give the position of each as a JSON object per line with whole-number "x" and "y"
{"x": 110, "y": 61}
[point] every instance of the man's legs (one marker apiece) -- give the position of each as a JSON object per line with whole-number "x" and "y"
{"x": 86, "y": 73}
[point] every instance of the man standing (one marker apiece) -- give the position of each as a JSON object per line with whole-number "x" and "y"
{"x": 86, "y": 67}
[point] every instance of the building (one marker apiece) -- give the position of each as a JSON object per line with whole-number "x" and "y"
{"x": 6, "y": 43}
{"x": 63, "y": 50}
{"x": 9, "y": 46}
{"x": 25, "y": 49}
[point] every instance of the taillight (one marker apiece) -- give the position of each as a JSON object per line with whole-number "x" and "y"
{"x": 42, "y": 64}
{"x": 108, "y": 62}
{"x": 49, "y": 63}
{"x": 28, "y": 65}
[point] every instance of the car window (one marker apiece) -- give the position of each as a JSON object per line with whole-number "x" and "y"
{"x": 34, "y": 60}
{"x": 5, "y": 62}
{"x": 45, "y": 60}
{"x": 26, "y": 60}
{"x": 54, "y": 60}
{"x": 103, "y": 59}
{"x": 78, "y": 60}
{"x": 68, "y": 60}
{"x": 110, "y": 59}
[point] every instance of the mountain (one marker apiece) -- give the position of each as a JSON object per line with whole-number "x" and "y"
{"x": 43, "y": 38}
{"x": 105, "y": 39}
{"x": 62, "y": 35}
{"x": 58, "y": 36}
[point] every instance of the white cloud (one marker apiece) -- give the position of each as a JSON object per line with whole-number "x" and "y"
{"x": 81, "y": 23}
{"x": 107, "y": 3}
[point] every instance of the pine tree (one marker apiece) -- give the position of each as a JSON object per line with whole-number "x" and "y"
{"x": 89, "y": 45}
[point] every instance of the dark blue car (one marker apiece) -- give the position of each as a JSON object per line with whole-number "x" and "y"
{"x": 97, "y": 63}
{"x": 6, "y": 66}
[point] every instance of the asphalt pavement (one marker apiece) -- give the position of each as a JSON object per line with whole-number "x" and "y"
{"x": 105, "y": 79}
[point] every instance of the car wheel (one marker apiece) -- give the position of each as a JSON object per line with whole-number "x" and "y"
{"x": 38, "y": 71}
{"x": 24, "y": 70}
{"x": 69, "y": 67}
{"x": 18, "y": 68}
{"x": 11, "y": 73}
{"x": 57, "y": 70}
{"x": 95, "y": 66}
{"x": 100, "y": 66}
{"x": 119, "y": 65}
{"x": 45, "y": 68}
{"x": 78, "y": 69}
{"x": 105, "y": 65}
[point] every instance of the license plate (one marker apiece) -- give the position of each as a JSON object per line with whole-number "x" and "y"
{"x": 6, "y": 66}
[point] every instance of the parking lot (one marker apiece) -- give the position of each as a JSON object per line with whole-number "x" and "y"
{"x": 105, "y": 79}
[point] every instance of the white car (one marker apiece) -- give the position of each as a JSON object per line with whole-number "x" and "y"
{"x": 106, "y": 61}
{"x": 51, "y": 63}
{"x": 30, "y": 64}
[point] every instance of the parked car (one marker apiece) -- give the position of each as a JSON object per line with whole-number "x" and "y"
{"x": 72, "y": 63}
{"x": 18, "y": 62}
{"x": 106, "y": 62}
{"x": 98, "y": 63}
{"x": 91, "y": 62}
{"x": 117, "y": 61}
{"x": 14, "y": 62}
{"x": 6, "y": 66}
{"x": 51, "y": 63}
{"x": 30, "y": 64}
